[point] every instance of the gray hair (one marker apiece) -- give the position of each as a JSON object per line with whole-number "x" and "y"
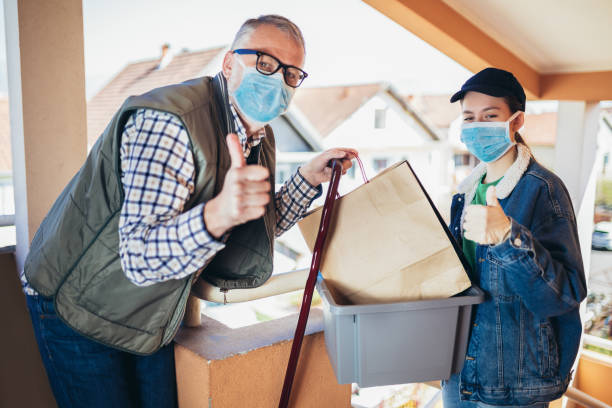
{"x": 281, "y": 23}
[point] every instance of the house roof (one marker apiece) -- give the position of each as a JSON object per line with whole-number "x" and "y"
{"x": 140, "y": 77}
{"x": 436, "y": 109}
{"x": 327, "y": 107}
{"x": 5, "y": 137}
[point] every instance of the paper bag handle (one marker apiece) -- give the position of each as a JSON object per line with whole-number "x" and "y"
{"x": 363, "y": 173}
{"x": 361, "y": 168}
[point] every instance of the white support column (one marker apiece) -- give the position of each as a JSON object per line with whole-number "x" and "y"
{"x": 577, "y": 161}
{"x": 13, "y": 62}
{"x": 46, "y": 73}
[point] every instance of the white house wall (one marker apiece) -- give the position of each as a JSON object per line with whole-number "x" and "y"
{"x": 358, "y": 130}
{"x": 401, "y": 139}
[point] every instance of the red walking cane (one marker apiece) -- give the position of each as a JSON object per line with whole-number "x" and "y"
{"x": 328, "y": 207}
{"x": 310, "y": 282}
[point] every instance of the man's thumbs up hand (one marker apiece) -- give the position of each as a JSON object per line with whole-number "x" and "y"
{"x": 245, "y": 193}
{"x": 486, "y": 225}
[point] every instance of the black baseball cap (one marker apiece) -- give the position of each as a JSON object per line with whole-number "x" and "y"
{"x": 493, "y": 82}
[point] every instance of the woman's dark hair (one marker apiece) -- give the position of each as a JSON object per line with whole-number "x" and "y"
{"x": 514, "y": 105}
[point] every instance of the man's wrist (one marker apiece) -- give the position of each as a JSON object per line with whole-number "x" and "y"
{"x": 308, "y": 177}
{"x": 213, "y": 221}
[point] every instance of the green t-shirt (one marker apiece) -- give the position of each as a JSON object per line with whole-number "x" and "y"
{"x": 469, "y": 247}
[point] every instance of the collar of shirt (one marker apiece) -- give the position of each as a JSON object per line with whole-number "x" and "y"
{"x": 246, "y": 142}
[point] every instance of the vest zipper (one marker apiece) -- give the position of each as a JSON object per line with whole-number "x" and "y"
{"x": 265, "y": 216}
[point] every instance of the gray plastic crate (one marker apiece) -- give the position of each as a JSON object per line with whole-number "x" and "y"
{"x": 397, "y": 343}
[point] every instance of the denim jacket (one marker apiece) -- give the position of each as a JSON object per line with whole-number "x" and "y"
{"x": 526, "y": 334}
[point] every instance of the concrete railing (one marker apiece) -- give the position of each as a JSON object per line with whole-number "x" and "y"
{"x": 277, "y": 285}
{"x": 220, "y": 366}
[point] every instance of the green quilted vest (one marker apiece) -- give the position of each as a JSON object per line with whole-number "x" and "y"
{"x": 74, "y": 256}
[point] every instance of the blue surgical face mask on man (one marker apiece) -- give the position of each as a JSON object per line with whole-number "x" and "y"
{"x": 488, "y": 141}
{"x": 261, "y": 98}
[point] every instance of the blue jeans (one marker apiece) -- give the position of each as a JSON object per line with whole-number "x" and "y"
{"x": 451, "y": 398}
{"x": 85, "y": 373}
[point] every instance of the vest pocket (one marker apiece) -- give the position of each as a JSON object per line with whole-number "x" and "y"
{"x": 549, "y": 353}
{"x": 104, "y": 291}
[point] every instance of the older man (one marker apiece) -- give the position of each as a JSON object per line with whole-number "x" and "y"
{"x": 179, "y": 186}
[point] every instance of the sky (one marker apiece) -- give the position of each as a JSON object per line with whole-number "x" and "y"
{"x": 347, "y": 41}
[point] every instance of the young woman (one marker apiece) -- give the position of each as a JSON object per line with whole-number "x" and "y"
{"x": 516, "y": 225}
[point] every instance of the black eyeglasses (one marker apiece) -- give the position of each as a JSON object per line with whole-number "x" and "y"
{"x": 268, "y": 65}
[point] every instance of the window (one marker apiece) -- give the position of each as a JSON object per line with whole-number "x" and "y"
{"x": 380, "y": 164}
{"x": 380, "y": 118}
{"x": 462, "y": 159}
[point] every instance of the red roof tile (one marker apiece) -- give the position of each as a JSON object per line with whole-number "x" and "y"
{"x": 140, "y": 77}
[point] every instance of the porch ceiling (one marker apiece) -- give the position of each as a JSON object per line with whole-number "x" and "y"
{"x": 559, "y": 49}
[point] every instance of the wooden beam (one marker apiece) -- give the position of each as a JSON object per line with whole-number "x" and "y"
{"x": 441, "y": 26}
{"x": 581, "y": 86}
{"x": 445, "y": 29}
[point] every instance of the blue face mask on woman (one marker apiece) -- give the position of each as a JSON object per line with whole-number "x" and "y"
{"x": 261, "y": 98}
{"x": 488, "y": 141}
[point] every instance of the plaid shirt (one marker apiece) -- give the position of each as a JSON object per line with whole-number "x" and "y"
{"x": 158, "y": 240}
{"x": 246, "y": 142}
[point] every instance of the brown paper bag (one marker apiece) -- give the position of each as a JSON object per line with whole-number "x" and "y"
{"x": 387, "y": 244}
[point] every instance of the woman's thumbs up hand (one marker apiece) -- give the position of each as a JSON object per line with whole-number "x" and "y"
{"x": 486, "y": 224}
{"x": 245, "y": 193}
